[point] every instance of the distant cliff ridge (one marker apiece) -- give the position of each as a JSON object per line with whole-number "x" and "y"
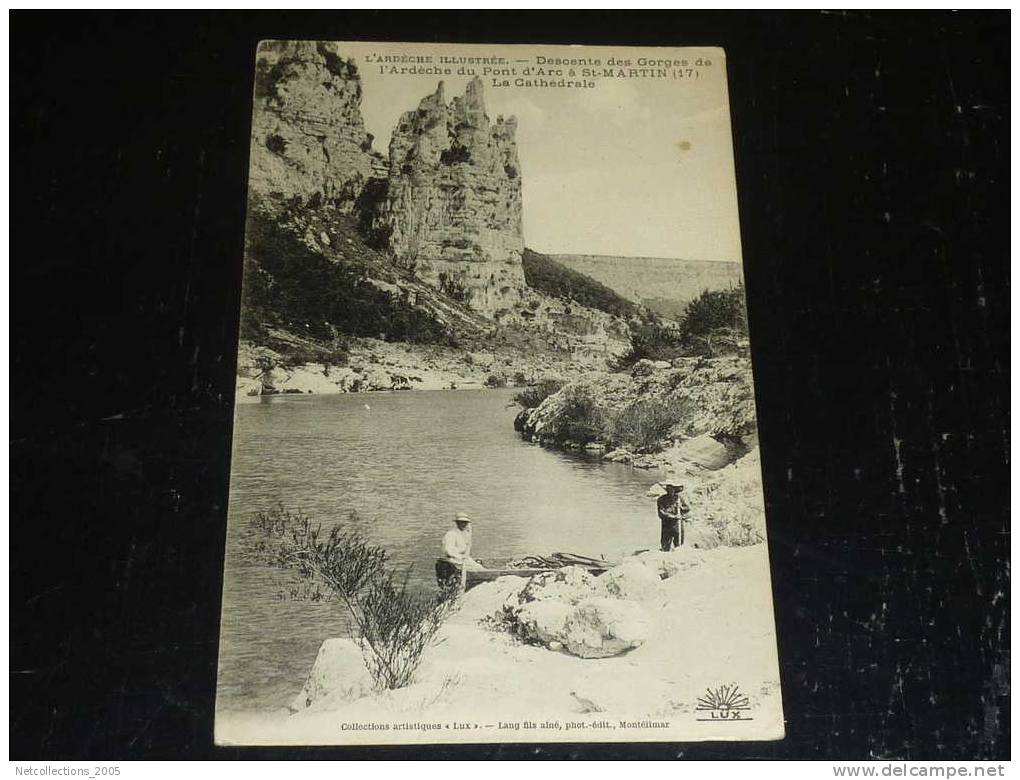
{"x": 665, "y": 285}
{"x": 308, "y": 135}
{"x": 453, "y": 206}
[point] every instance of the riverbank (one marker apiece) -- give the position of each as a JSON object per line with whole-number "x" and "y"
{"x": 692, "y": 415}
{"x": 710, "y": 624}
{"x": 373, "y": 365}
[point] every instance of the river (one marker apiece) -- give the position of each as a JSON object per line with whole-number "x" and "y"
{"x": 406, "y": 462}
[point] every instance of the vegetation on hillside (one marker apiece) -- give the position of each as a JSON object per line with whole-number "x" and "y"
{"x": 713, "y": 324}
{"x": 290, "y": 286}
{"x": 544, "y": 274}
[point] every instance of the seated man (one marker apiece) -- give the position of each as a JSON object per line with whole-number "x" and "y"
{"x": 456, "y": 553}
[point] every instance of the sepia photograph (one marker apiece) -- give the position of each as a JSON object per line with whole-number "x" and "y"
{"x": 495, "y": 466}
{"x": 509, "y": 386}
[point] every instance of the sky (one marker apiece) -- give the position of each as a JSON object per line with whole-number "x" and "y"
{"x": 631, "y": 167}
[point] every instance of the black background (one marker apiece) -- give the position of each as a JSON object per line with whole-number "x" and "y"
{"x": 872, "y": 162}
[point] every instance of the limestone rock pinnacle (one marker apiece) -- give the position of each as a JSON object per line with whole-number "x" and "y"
{"x": 453, "y": 209}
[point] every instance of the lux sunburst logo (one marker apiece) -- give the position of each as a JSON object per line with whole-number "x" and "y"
{"x": 726, "y": 702}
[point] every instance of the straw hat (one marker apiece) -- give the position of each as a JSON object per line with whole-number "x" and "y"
{"x": 462, "y": 518}
{"x": 662, "y": 488}
{"x": 656, "y": 490}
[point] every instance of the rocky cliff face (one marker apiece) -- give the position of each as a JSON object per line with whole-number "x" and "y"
{"x": 308, "y": 136}
{"x": 437, "y": 224}
{"x": 453, "y": 206}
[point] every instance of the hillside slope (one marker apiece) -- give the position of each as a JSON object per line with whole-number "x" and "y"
{"x": 664, "y": 285}
{"x": 546, "y": 275}
{"x": 318, "y": 299}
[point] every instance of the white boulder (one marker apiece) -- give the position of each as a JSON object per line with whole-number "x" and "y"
{"x": 543, "y": 621}
{"x": 338, "y": 675}
{"x": 632, "y": 579}
{"x": 487, "y": 599}
{"x": 570, "y": 585}
{"x": 602, "y": 627}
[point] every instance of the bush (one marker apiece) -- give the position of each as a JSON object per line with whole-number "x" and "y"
{"x": 394, "y": 624}
{"x": 580, "y": 418}
{"x": 495, "y": 380}
{"x": 714, "y": 323}
{"x": 530, "y": 397}
{"x": 645, "y": 423}
{"x": 651, "y": 339}
{"x": 276, "y": 144}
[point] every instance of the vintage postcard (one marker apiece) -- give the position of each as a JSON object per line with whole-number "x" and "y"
{"x": 496, "y": 474}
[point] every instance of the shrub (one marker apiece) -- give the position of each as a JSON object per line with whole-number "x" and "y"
{"x": 276, "y": 144}
{"x": 532, "y": 396}
{"x": 645, "y": 423}
{"x": 495, "y": 380}
{"x": 394, "y": 624}
{"x": 651, "y": 339}
{"x": 580, "y": 419}
{"x": 715, "y": 322}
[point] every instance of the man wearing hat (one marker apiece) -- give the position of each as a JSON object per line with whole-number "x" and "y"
{"x": 672, "y": 510}
{"x": 456, "y": 553}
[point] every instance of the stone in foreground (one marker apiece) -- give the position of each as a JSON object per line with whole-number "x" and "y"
{"x": 338, "y": 676}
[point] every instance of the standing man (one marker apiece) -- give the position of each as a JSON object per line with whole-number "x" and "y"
{"x": 456, "y": 558}
{"x": 673, "y": 510}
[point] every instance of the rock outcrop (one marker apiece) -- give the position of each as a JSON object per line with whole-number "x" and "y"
{"x": 338, "y": 676}
{"x": 713, "y": 396}
{"x": 308, "y": 135}
{"x": 568, "y": 609}
{"x": 453, "y": 206}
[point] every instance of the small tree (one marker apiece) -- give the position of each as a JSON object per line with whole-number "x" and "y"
{"x": 715, "y": 322}
{"x": 394, "y": 624}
